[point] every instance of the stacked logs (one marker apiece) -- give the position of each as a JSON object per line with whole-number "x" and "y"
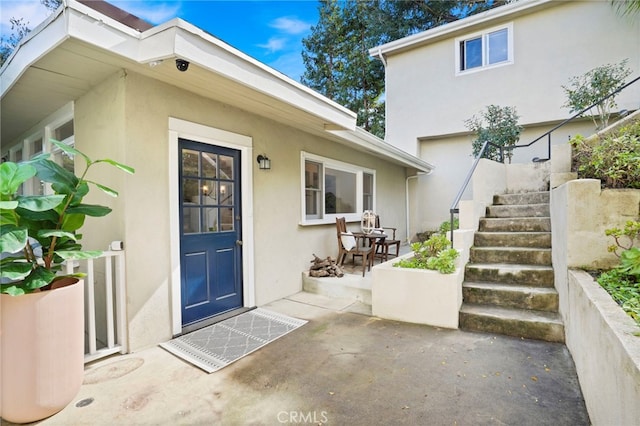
{"x": 325, "y": 268}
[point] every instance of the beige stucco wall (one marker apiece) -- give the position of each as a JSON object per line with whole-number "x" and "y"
{"x": 127, "y": 116}
{"x": 425, "y": 97}
{"x": 453, "y": 159}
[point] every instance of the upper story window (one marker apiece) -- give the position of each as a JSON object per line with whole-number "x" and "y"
{"x": 335, "y": 189}
{"x": 485, "y": 49}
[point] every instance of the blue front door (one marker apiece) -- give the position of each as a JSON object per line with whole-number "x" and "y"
{"x": 210, "y": 231}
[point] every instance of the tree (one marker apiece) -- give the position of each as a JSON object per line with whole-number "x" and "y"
{"x": 19, "y": 29}
{"x": 627, "y": 7}
{"x": 498, "y": 125}
{"x": 336, "y": 53}
{"x": 589, "y": 88}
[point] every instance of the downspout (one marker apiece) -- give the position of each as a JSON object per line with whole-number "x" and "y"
{"x": 406, "y": 197}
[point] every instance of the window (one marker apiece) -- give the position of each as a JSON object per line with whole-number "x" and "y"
{"x": 57, "y": 126}
{"x": 484, "y": 50}
{"x": 334, "y": 189}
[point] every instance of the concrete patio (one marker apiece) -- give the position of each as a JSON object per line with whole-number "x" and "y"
{"x": 342, "y": 367}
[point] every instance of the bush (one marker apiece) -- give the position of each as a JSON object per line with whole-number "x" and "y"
{"x": 446, "y": 225}
{"x": 433, "y": 254}
{"x": 614, "y": 159}
{"x": 498, "y": 125}
{"x": 623, "y": 282}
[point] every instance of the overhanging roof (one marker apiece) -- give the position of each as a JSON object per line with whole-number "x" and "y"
{"x": 508, "y": 11}
{"x": 78, "y": 47}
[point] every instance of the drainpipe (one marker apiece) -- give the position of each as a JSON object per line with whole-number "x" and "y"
{"x": 418, "y": 174}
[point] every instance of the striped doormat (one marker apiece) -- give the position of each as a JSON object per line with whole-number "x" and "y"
{"x": 218, "y": 345}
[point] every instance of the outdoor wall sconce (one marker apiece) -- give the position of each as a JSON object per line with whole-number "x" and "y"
{"x": 264, "y": 162}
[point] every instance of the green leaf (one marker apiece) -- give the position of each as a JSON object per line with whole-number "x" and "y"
{"x": 62, "y": 180}
{"x": 12, "y": 238}
{"x": 13, "y": 175}
{"x": 89, "y": 210}
{"x": 69, "y": 150}
{"x": 40, "y": 203}
{"x": 15, "y": 271}
{"x": 12, "y": 290}
{"x": 8, "y": 205}
{"x": 39, "y": 277}
{"x": 73, "y": 222}
{"x": 120, "y": 166}
{"x": 47, "y": 233}
{"x": 105, "y": 189}
{"x": 79, "y": 254}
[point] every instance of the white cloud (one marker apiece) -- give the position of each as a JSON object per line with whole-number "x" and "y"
{"x": 31, "y": 11}
{"x": 290, "y": 25}
{"x": 275, "y": 44}
{"x": 155, "y": 12}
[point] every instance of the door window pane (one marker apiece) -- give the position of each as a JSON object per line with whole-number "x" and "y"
{"x": 226, "y": 193}
{"x": 211, "y": 219}
{"x": 209, "y": 165}
{"x": 497, "y": 46}
{"x": 226, "y": 167}
{"x": 190, "y": 162}
{"x": 191, "y": 220}
{"x": 227, "y": 219}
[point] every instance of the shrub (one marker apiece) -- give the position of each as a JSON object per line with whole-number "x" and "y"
{"x": 587, "y": 89}
{"x": 614, "y": 159}
{"x": 446, "y": 225}
{"x": 433, "y": 254}
{"x": 623, "y": 282}
{"x": 501, "y": 129}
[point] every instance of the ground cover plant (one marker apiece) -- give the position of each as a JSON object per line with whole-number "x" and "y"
{"x": 434, "y": 253}
{"x": 613, "y": 158}
{"x": 623, "y": 282}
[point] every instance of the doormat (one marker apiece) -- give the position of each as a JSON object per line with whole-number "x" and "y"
{"x": 218, "y": 345}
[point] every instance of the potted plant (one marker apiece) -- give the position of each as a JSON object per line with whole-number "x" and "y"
{"x": 423, "y": 287}
{"x": 42, "y": 308}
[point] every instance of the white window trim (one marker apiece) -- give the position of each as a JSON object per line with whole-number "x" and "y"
{"x": 337, "y": 165}
{"x": 484, "y": 34}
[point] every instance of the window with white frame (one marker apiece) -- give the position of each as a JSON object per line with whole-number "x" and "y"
{"x": 334, "y": 189}
{"x": 58, "y": 126}
{"x": 485, "y": 49}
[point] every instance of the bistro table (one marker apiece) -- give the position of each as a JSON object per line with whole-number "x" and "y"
{"x": 373, "y": 238}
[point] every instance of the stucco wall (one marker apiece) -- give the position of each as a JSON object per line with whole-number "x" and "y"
{"x": 605, "y": 348}
{"x": 282, "y": 248}
{"x": 550, "y": 46}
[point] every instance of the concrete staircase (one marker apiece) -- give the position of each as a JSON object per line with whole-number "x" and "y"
{"x": 509, "y": 281}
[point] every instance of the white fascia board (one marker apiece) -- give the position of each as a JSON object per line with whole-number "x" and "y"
{"x": 446, "y": 30}
{"x": 374, "y": 144}
{"x": 38, "y": 43}
{"x": 199, "y": 47}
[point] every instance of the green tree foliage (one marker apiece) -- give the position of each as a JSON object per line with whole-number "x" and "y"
{"x": 498, "y": 125}
{"x": 627, "y": 7}
{"x": 19, "y": 29}
{"x": 587, "y": 89}
{"x": 336, "y": 53}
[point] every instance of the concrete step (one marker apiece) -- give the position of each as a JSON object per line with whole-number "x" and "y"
{"x": 521, "y": 224}
{"x": 511, "y": 296}
{"x": 513, "y": 239}
{"x": 350, "y": 286}
{"x": 506, "y": 273}
{"x": 516, "y": 255}
{"x": 519, "y": 210}
{"x": 530, "y": 324}
{"x": 522, "y": 198}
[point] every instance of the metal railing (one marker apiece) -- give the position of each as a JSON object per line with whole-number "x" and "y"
{"x": 454, "y": 206}
{"x": 105, "y": 316}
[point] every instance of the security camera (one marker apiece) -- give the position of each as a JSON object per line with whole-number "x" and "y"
{"x": 182, "y": 65}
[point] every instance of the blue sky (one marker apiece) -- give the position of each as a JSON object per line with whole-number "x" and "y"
{"x": 270, "y": 31}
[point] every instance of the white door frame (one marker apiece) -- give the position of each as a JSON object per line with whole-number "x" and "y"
{"x": 212, "y": 136}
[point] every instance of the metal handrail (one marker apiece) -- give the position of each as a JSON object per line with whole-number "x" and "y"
{"x": 576, "y": 115}
{"x": 454, "y": 206}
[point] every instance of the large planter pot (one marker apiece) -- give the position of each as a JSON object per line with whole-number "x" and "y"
{"x": 42, "y": 352}
{"x": 417, "y": 295}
